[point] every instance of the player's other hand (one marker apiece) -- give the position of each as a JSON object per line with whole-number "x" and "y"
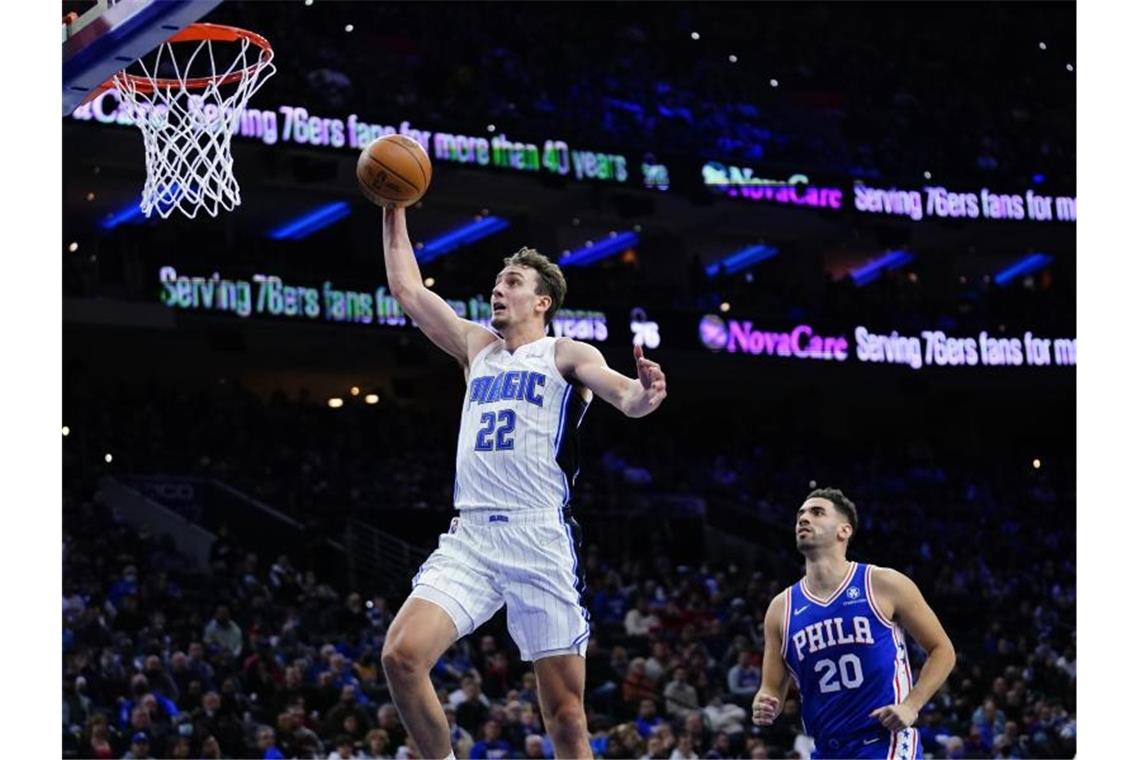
{"x": 896, "y": 717}
{"x": 765, "y": 708}
{"x": 651, "y": 377}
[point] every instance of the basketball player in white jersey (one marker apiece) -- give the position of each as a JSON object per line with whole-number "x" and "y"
{"x": 513, "y": 542}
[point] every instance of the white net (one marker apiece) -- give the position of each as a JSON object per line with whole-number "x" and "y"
{"x": 188, "y": 116}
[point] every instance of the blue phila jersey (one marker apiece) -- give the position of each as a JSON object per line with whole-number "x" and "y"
{"x": 847, "y": 660}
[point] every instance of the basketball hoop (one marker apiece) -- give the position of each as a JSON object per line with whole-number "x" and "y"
{"x": 189, "y": 116}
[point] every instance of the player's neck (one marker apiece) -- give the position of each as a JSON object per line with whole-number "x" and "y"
{"x": 824, "y": 573}
{"x": 523, "y": 334}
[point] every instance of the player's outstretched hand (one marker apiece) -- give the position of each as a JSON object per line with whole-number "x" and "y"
{"x": 896, "y": 717}
{"x": 765, "y": 707}
{"x": 651, "y": 377}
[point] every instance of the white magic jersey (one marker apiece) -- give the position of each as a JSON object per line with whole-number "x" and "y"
{"x": 518, "y": 443}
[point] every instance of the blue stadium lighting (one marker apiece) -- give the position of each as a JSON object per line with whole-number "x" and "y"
{"x": 870, "y": 272}
{"x": 607, "y": 247}
{"x": 459, "y": 237}
{"x": 129, "y": 213}
{"x": 742, "y": 259}
{"x": 164, "y": 199}
{"x": 1031, "y": 264}
{"x": 308, "y": 223}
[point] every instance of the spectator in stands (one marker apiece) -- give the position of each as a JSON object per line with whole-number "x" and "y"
{"x": 181, "y": 675}
{"x": 727, "y": 717}
{"x": 667, "y": 740}
{"x": 453, "y": 665}
{"x": 624, "y": 741}
{"x": 680, "y": 696}
{"x": 344, "y": 749}
{"x": 293, "y": 731}
{"x": 267, "y": 744}
{"x": 989, "y": 720}
{"x": 641, "y": 622}
{"x": 654, "y": 749}
{"x": 140, "y": 691}
{"x": 376, "y": 745}
{"x": 685, "y": 749}
{"x": 529, "y": 690}
{"x": 609, "y": 604}
{"x": 473, "y": 708}
{"x": 932, "y": 727}
{"x": 694, "y": 727}
{"x": 181, "y": 749}
{"x": 492, "y": 746}
{"x": 721, "y": 747}
{"x": 345, "y": 708}
{"x": 160, "y": 680}
{"x": 636, "y": 685}
{"x": 647, "y": 718}
{"x": 744, "y": 678}
{"x": 388, "y": 719}
{"x": 533, "y": 749}
{"x": 212, "y": 720}
{"x": 659, "y": 661}
{"x": 76, "y": 704}
{"x": 140, "y": 747}
{"x": 198, "y": 667}
{"x": 496, "y": 676}
{"x": 223, "y": 632}
{"x": 96, "y": 741}
{"x": 211, "y": 749}
{"x": 955, "y": 748}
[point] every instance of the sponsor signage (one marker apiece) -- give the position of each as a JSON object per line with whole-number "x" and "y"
{"x": 929, "y": 348}
{"x": 271, "y": 296}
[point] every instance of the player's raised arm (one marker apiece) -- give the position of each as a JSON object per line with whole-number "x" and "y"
{"x": 900, "y": 599}
{"x": 775, "y": 679}
{"x": 438, "y": 321}
{"x": 634, "y": 397}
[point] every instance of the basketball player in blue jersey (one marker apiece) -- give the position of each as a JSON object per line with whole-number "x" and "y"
{"x": 514, "y": 540}
{"x": 840, "y": 634}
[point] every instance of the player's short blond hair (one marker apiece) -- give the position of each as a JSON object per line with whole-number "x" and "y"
{"x": 551, "y": 282}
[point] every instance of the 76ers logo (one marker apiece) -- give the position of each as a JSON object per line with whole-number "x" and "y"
{"x": 853, "y": 593}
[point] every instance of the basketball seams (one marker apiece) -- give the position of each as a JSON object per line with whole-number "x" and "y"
{"x": 415, "y": 158}
{"x": 394, "y": 173}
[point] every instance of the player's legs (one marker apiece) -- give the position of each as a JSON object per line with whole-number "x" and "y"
{"x": 561, "y": 689}
{"x": 421, "y": 632}
{"x": 452, "y": 595}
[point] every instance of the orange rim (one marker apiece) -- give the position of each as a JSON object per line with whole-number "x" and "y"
{"x": 197, "y": 33}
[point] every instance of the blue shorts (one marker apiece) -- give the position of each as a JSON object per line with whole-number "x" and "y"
{"x": 880, "y": 745}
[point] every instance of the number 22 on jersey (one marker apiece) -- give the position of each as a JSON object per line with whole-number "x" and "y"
{"x": 496, "y": 431}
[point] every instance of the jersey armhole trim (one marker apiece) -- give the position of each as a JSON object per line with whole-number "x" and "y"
{"x": 871, "y": 599}
{"x": 576, "y": 386}
{"x": 553, "y": 358}
{"x": 483, "y": 351}
{"x": 787, "y": 626}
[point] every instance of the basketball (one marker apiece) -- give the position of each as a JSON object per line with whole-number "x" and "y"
{"x": 393, "y": 169}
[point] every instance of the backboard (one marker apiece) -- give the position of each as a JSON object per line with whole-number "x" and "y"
{"x": 113, "y": 34}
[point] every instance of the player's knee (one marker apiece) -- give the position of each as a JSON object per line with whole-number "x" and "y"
{"x": 568, "y": 721}
{"x": 400, "y": 660}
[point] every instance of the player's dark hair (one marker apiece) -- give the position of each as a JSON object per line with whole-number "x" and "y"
{"x": 841, "y": 502}
{"x": 551, "y": 282}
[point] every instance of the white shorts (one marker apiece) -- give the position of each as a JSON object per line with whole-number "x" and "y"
{"x": 526, "y": 560}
